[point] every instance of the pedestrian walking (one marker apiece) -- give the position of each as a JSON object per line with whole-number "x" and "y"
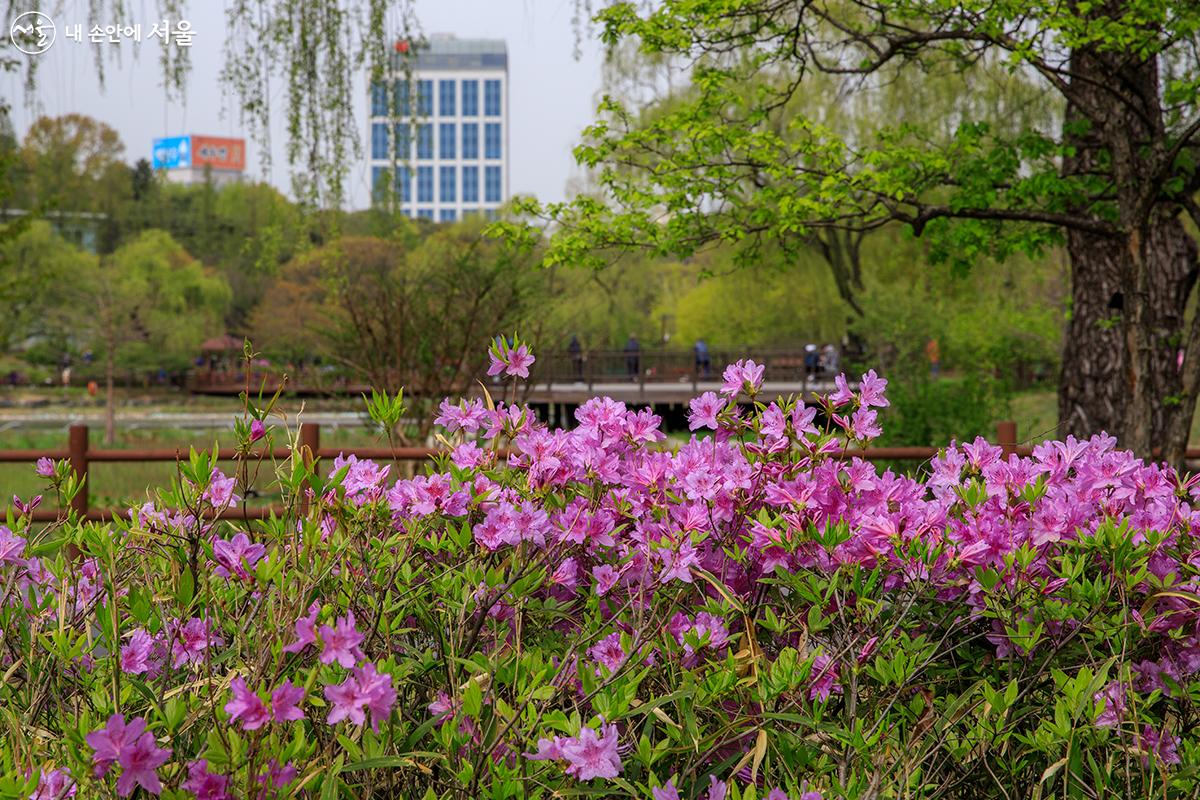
{"x": 812, "y": 361}
{"x": 934, "y": 354}
{"x": 829, "y": 359}
{"x": 703, "y": 360}
{"x": 575, "y": 351}
{"x": 633, "y": 357}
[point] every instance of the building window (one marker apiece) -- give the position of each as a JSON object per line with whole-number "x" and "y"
{"x": 491, "y": 214}
{"x": 378, "y": 180}
{"x": 491, "y": 140}
{"x": 404, "y": 184}
{"x": 446, "y": 90}
{"x": 470, "y": 99}
{"x": 425, "y": 140}
{"x": 424, "y": 98}
{"x": 491, "y": 185}
{"x": 446, "y": 185}
{"x": 401, "y": 92}
{"x": 470, "y": 148}
{"x": 470, "y": 185}
{"x": 379, "y": 142}
{"x": 424, "y": 213}
{"x": 468, "y": 213}
{"x": 424, "y": 184}
{"x": 446, "y": 140}
{"x": 403, "y": 141}
{"x": 379, "y": 105}
{"x": 491, "y": 98}
{"x": 446, "y": 215}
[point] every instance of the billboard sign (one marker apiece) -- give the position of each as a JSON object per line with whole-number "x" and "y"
{"x": 173, "y": 152}
{"x": 218, "y": 152}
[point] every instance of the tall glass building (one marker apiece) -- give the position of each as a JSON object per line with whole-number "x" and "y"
{"x": 439, "y": 135}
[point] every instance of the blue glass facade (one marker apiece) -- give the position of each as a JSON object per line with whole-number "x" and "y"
{"x": 470, "y": 188}
{"x": 470, "y": 98}
{"x": 446, "y": 140}
{"x": 470, "y": 140}
{"x": 404, "y": 183}
{"x": 425, "y": 140}
{"x": 446, "y": 184}
{"x": 491, "y": 140}
{"x": 446, "y": 92}
{"x": 379, "y": 140}
{"x": 491, "y": 98}
{"x": 439, "y": 129}
{"x": 425, "y": 98}
{"x": 403, "y": 133}
{"x": 379, "y": 104}
{"x": 424, "y": 184}
{"x": 492, "y": 184}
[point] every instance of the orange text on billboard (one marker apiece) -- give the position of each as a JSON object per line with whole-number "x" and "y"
{"x": 218, "y": 152}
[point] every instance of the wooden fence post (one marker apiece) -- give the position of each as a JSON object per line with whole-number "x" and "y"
{"x": 1006, "y": 437}
{"x": 77, "y": 449}
{"x": 310, "y": 443}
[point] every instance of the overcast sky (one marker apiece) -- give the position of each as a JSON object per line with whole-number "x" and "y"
{"x": 552, "y": 93}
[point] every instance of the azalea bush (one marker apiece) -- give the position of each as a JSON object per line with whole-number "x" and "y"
{"x": 590, "y": 613}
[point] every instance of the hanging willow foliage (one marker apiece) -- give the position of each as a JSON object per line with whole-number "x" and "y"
{"x": 309, "y": 49}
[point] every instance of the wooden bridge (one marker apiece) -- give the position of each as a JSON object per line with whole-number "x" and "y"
{"x": 651, "y": 377}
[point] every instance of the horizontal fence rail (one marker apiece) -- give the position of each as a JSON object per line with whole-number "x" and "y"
{"x": 80, "y": 455}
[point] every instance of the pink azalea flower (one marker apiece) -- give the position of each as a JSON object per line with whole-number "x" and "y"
{"x": 306, "y": 630}
{"x": 135, "y": 654}
{"x": 54, "y": 784}
{"x": 205, "y": 785}
{"x": 108, "y": 742}
{"x": 842, "y": 394}
{"x": 45, "y": 467}
{"x": 589, "y": 755}
{"x": 608, "y": 652}
{"x": 666, "y": 792}
{"x": 237, "y": 556}
{"x": 703, "y": 411}
{"x": 340, "y": 643}
{"x": 257, "y": 430}
{"x": 219, "y": 491}
{"x": 246, "y": 706}
{"x": 514, "y": 361}
{"x": 742, "y": 376}
{"x": 605, "y": 577}
{"x": 871, "y": 389}
{"x": 139, "y": 765}
{"x": 12, "y": 547}
{"x": 285, "y": 702}
{"x": 192, "y": 640}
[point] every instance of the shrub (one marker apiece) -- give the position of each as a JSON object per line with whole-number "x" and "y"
{"x": 585, "y": 614}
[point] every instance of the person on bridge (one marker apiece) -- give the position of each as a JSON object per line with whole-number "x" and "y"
{"x": 934, "y": 354}
{"x": 829, "y": 359}
{"x": 575, "y": 350}
{"x": 633, "y": 357}
{"x": 703, "y": 361}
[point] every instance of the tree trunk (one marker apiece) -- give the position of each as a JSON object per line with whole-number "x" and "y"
{"x": 1129, "y": 293}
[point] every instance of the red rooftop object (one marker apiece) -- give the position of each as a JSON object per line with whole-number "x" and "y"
{"x": 402, "y": 46}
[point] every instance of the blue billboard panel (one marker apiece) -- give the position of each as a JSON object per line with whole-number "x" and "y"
{"x": 173, "y": 152}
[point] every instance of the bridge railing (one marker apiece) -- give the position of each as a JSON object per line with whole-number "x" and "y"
{"x": 81, "y": 456}
{"x": 649, "y": 365}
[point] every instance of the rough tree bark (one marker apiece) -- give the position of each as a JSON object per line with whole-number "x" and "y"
{"x": 1130, "y": 292}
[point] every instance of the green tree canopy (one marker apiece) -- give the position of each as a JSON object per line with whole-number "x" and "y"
{"x": 744, "y": 156}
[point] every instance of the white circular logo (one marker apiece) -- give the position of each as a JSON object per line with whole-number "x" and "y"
{"x": 32, "y": 33}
